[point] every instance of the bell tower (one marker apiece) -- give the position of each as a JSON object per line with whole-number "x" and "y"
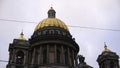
{"x": 108, "y": 59}
{"x": 18, "y": 53}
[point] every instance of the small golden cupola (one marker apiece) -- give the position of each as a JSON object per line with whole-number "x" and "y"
{"x": 106, "y": 49}
{"x": 51, "y": 21}
{"x": 21, "y": 37}
{"x": 108, "y": 59}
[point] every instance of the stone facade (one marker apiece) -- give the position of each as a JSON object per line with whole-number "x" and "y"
{"x": 51, "y": 46}
{"x": 48, "y": 47}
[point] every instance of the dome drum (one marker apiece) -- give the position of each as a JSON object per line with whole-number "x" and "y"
{"x": 70, "y": 44}
{"x": 51, "y": 30}
{"x": 58, "y": 39}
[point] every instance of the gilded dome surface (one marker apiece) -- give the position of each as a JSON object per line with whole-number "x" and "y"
{"x": 106, "y": 50}
{"x": 51, "y": 21}
{"x": 21, "y": 37}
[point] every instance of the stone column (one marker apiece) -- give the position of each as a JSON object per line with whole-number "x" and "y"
{"x": 47, "y": 54}
{"x": 107, "y": 64}
{"x": 117, "y": 63}
{"x": 33, "y": 57}
{"x": 73, "y": 58}
{"x": 29, "y": 59}
{"x": 39, "y": 56}
{"x": 10, "y": 57}
{"x": 14, "y": 56}
{"x": 25, "y": 56}
{"x": 68, "y": 56}
{"x": 76, "y": 61}
{"x": 62, "y": 55}
{"x": 55, "y": 53}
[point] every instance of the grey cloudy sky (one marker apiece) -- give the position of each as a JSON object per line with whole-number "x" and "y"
{"x": 85, "y": 13}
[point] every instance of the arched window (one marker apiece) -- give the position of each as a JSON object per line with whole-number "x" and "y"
{"x": 45, "y": 32}
{"x": 57, "y": 32}
{"x": 19, "y": 57}
{"x": 51, "y": 31}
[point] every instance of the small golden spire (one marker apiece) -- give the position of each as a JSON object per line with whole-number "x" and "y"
{"x": 105, "y": 48}
{"x": 21, "y": 36}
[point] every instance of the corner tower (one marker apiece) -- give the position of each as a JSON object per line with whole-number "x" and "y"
{"x": 108, "y": 59}
{"x": 18, "y": 53}
{"x": 52, "y": 44}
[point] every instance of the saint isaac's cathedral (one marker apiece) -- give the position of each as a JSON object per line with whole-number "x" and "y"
{"x": 52, "y": 46}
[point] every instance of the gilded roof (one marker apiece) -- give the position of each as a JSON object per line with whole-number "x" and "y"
{"x": 21, "y": 37}
{"x": 106, "y": 49}
{"x": 51, "y": 21}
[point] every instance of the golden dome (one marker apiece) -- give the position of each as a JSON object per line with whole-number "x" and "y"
{"x": 106, "y": 49}
{"x": 21, "y": 37}
{"x": 51, "y": 21}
